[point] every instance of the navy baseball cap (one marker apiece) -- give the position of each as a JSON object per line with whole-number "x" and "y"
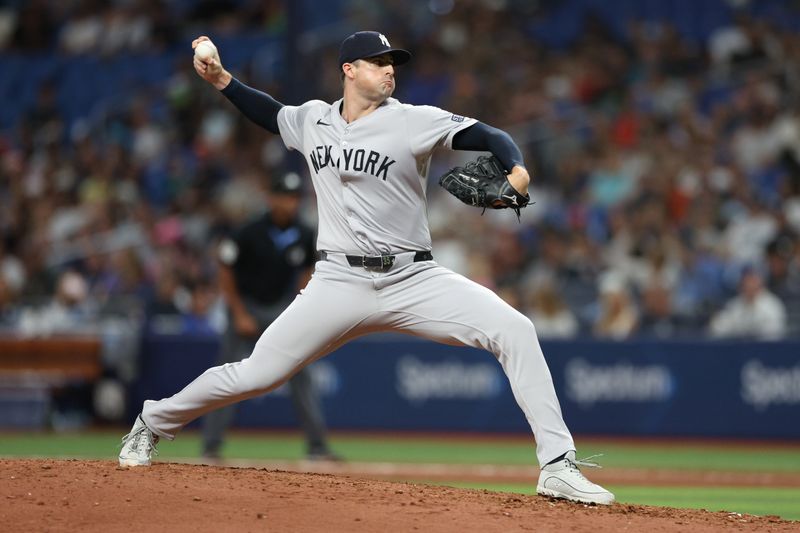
{"x": 364, "y": 44}
{"x": 289, "y": 183}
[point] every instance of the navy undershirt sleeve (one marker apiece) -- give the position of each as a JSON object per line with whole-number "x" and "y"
{"x": 484, "y": 138}
{"x": 258, "y": 106}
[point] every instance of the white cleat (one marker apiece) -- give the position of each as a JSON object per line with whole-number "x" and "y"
{"x": 563, "y": 479}
{"x": 138, "y": 445}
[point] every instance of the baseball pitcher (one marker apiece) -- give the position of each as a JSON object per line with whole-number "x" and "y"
{"x": 368, "y": 155}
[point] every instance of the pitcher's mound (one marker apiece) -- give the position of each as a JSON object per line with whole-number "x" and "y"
{"x": 69, "y": 495}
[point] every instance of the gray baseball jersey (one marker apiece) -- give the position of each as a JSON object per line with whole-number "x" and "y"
{"x": 370, "y": 175}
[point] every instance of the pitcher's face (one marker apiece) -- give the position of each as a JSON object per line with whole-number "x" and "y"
{"x": 374, "y": 77}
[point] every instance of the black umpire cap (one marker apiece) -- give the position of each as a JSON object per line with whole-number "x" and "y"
{"x": 288, "y": 183}
{"x": 365, "y": 44}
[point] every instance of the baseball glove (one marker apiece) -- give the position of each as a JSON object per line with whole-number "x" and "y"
{"x": 483, "y": 183}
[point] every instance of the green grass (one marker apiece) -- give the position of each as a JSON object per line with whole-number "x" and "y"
{"x": 693, "y": 457}
{"x": 745, "y": 500}
{"x": 423, "y": 449}
{"x": 753, "y": 500}
{"x": 429, "y": 449}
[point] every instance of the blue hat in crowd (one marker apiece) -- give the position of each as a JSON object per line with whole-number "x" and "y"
{"x": 364, "y": 44}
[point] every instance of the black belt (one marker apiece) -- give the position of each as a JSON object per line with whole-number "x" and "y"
{"x": 383, "y": 262}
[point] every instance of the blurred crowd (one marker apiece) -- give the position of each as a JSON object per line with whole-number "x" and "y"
{"x": 666, "y": 172}
{"x": 108, "y": 27}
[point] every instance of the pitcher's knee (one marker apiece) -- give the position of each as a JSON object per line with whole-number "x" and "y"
{"x": 517, "y": 333}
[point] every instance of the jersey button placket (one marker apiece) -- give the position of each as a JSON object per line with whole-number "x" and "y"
{"x": 342, "y": 145}
{"x": 345, "y": 184}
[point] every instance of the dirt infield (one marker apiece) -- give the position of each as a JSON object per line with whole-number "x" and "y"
{"x": 519, "y": 474}
{"x": 70, "y": 495}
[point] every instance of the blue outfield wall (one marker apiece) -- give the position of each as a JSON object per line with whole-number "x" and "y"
{"x": 702, "y": 388}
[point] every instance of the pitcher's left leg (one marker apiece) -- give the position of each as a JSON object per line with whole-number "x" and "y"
{"x": 441, "y": 305}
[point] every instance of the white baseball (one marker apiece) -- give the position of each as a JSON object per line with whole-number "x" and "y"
{"x": 205, "y": 51}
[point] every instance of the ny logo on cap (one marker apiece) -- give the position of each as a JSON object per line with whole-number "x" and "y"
{"x": 384, "y": 40}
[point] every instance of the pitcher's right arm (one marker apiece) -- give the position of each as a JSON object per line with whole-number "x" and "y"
{"x": 256, "y": 105}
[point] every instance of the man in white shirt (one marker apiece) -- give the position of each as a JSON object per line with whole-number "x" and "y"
{"x": 755, "y": 312}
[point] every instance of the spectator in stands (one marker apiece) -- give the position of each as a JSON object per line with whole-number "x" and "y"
{"x": 657, "y": 317}
{"x": 549, "y": 313}
{"x": 8, "y": 311}
{"x": 12, "y": 271}
{"x": 754, "y": 312}
{"x": 35, "y": 27}
{"x": 163, "y": 300}
{"x": 779, "y": 254}
{"x": 611, "y": 182}
{"x": 198, "y": 319}
{"x": 82, "y": 32}
{"x": 750, "y": 230}
{"x": 43, "y": 123}
{"x": 699, "y": 287}
{"x": 618, "y": 317}
{"x": 69, "y": 311}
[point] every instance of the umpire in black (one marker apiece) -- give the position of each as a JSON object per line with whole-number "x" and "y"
{"x": 262, "y": 266}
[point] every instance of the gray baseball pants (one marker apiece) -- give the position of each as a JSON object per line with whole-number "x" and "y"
{"x": 341, "y": 303}
{"x": 304, "y": 397}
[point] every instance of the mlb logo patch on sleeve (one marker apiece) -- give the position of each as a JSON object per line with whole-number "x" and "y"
{"x": 457, "y": 118}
